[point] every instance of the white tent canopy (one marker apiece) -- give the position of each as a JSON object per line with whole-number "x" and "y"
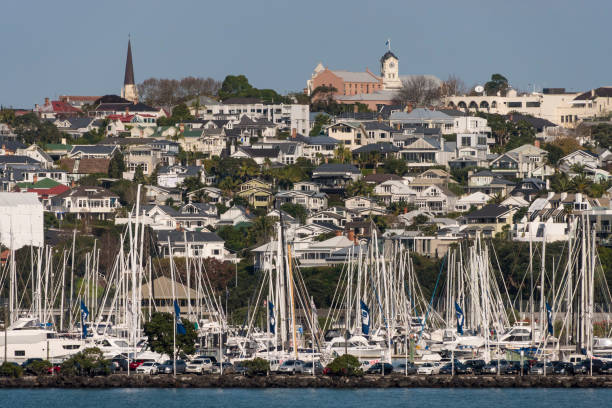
{"x": 21, "y": 220}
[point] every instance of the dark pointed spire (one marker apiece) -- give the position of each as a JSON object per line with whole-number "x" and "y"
{"x": 129, "y": 67}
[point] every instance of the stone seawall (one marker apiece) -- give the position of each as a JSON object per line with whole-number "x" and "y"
{"x": 280, "y": 381}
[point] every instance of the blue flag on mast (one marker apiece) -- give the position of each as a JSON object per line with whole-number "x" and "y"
{"x": 365, "y": 319}
{"x": 460, "y": 318}
{"x": 180, "y": 329}
{"x": 84, "y": 316}
{"x": 272, "y": 320}
{"x": 549, "y": 318}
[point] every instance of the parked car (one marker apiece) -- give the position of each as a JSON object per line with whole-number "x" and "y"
{"x": 542, "y": 368}
{"x": 494, "y": 365}
{"x": 54, "y": 369}
{"x": 459, "y": 368}
{"x": 318, "y": 367}
{"x": 291, "y": 367}
{"x": 563, "y": 368}
{"x": 137, "y": 363}
{"x": 429, "y": 368}
{"x": 228, "y": 368}
{"x": 168, "y": 367}
{"x": 585, "y": 367}
{"x": 120, "y": 363}
{"x": 199, "y": 366}
{"x": 476, "y": 365}
{"x": 239, "y": 368}
{"x": 380, "y": 368}
{"x": 406, "y": 369}
{"x": 606, "y": 368}
{"x": 148, "y": 367}
{"x": 211, "y": 358}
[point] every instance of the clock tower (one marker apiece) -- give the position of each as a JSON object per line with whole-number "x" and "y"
{"x": 389, "y": 71}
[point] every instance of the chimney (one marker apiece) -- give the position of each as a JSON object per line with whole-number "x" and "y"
{"x": 72, "y": 184}
{"x": 338, "y": 233}
{"x": 351, "y": 235}
{"x": 355, "y": 108}
{"x": 63, "y": 140}
{"x": 178, "y": 226}
{"x": 181, "y": 127}
{"x": 379, "y": 118}
{"x": 247, "y": 211}
{"x": 293, "y": 133}
{"x": 127, "y": 110}
{"x": 536, "y": 143}
{"x": 409, "y": 108}
{"x": 405, "y": 210}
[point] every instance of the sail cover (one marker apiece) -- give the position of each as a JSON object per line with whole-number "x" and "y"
{"x": 21, "y": 220}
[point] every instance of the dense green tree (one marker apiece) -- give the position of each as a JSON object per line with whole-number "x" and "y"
{"x": 116, "y": 167}
{"x": 320, "y": 121}
{"x": 359, "y": 188}
{"x": 554, "y": 153}
{"x": 139, "y": 177}
{"x": 160, "y": 331}
{"x": 297, "y": 211}
{"x": 395, "y": 166}
{"x": 498, "y": 83}
{"x": 88, "y": 362}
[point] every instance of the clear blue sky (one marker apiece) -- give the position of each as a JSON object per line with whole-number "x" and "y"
{"x": 78, "y": 47}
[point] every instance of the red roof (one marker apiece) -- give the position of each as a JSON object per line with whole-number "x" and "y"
{"x": 49, "y": 192}
{"x": 64, "y": 107}
{"x": 122, "y": 118}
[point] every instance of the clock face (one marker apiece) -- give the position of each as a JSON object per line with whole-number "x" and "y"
{"x": 391, "y": 64}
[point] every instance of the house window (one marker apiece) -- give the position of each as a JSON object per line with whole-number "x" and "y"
{"x": 19, "y": 353}
{"x": 215, "y": 252}
{"x": 515, "y": 104}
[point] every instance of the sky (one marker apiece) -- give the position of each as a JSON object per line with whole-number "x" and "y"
{"x": 79, "y": 47}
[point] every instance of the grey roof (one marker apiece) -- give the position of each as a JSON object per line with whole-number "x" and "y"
{"x": 378, "y": 147}
{"x": 349, "y": 76}
{"x": 186, "y": 170}
{"x": 375, "y": 125}
{"x": 14, "y": 159}
{"x": 78, "y": 123}
{"x": 192, "y": 236}
{"x": 489, "y": 211}
{"x": 337, "y": 168}
{"x": 317, "y": 140}
{"x": 269, "y": 153}
{"x": 12, "y": 145}
{"x": 420, "y": 115}
{"x": 94, "y": 149}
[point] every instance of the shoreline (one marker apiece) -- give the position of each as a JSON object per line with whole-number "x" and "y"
{"x": 280, "y": 381}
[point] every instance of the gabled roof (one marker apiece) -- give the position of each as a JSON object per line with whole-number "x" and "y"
{"x": 383, "y": 148}
{"x": 602, "y": 92}
{"x": 489, "y": 211}
{"x": 86, "y": 165}
{"x": 380, "y": 178}
{"x": 348, "y": 76}
{"x": 106, "y": 150}
{"x": 336, "y": 168}
{"x": 264, "y": 153}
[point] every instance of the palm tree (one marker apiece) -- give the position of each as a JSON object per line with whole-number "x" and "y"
{"x": 581, "y": 183}
{"x": 342, "y": 154}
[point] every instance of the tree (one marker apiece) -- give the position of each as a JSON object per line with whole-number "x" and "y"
{"x": 169, "y": 92}
{"x": 452, "y": 86}
{"x": 395, "y": 166}
{"x": 116, "y": 167}
{"x": 343, "y": 154}
{"x": 139, "y": 177}
{"x": 297, "y": 211}
{"x": 418, "y": 90}
{"x": 359, "y": 188}
{"x": 160, "y": 331}
{"x": 320, "y": 121}
{"x": 554, "y": 153}
{"x": 346, "y": 365}
{"x": 498, "y": 83}
{"x": 181, "y": 113}
{"x": 88, "y": 362}
{"x": 192, "y": 183}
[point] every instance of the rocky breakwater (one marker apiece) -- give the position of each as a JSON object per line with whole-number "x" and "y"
{"x": 282, "y": 381}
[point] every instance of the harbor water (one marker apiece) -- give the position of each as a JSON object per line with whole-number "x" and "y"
{"x": 320, "y": 398}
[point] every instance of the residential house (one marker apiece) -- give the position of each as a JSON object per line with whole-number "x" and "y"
{"x": 318, "y": 148}
{"x": 335, "y": 176}
{"x": 256, "y": 196}
{"x": 173, "y": 176}
{"x": 359, "y": 203}
{"x": 489, "y": 183}
{"x": 436, "y": 199}
{"x": 84, "y": 202}
{"x": 93, "y": 151}
{"x": 529, "y": 188}
{"x": 145, "y": 157}
{"x": 260, "y": 156}
{"x": 191, "y": 244}
{"x": 235, "y": 215}
{"x": 348, "y": 133}
{"x": 76, "y": 127}
{"x": 36, "y": 153}
{"x": 424, "y": 117}
{"x": 520, "y": 162}
{"x": 45, "y": 188}
{"x": 311, "y": 200}
{"x": 394, "y": 191}
{"x": 162, "y": 195}
{"x": 210, "y": 194}
{"x": 474, "y": 200}
{"x": 488, "y": 221}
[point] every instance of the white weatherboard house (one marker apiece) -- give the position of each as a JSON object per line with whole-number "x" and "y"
{"x": 21, "y": 220}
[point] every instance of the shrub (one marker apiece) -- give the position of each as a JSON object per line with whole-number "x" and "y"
{"x": 11, "y": 370}
{"x": 38, "y": 367}
{"x": 347, "y": 365}
{"x": 257, "y": 366}
{"x": 88, "y": 362}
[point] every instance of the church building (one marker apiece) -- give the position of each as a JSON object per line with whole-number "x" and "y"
{"x": 360, "y": 87}
{"x": 129, "y": 90}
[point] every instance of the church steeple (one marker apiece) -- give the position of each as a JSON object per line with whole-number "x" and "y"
{"x": 129, "y": 67}
{"x": 129, "y": 90}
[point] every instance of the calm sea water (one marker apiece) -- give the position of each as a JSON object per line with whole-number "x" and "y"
{"x": 305, "y": 398}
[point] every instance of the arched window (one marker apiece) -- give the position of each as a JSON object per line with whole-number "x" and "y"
{"x": 462, "y": 105}
{"x": 473, "y": 105}
{"x": 494, "y": 104}
{"x": 484, "y": 105}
